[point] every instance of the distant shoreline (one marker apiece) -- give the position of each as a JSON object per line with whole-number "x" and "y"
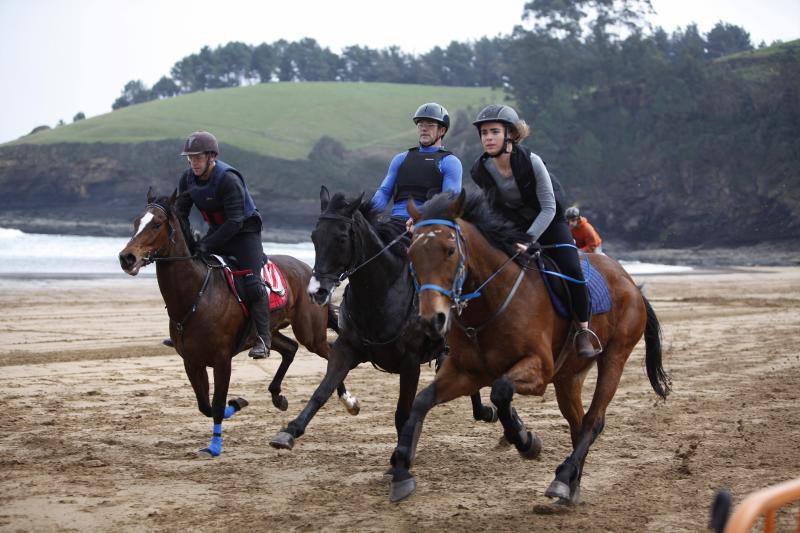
{"x": 776, "y": 253}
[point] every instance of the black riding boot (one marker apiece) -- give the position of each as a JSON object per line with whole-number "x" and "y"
{"x": 584, "y": 345}
{"x": 258, "y": 305}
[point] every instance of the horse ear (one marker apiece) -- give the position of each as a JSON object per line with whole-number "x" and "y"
{"x": 412, "y": 210}
{"x": 151, "y": 195}
{"x": 355, "y": 204}
{"x": 324, "y": 198}
{"x": 172, "y": 197}
{"x": 457, "y": 207}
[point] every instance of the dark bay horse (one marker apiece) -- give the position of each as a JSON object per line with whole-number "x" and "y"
{"x": 206, "y": 320}
{"x": 378, "y": 314}
{"x": 510, "y": 338}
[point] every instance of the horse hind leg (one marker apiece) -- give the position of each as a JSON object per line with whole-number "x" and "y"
{"x": 528, "y": 444}
{"x": 287, "y": 348}
{"x": 566, "y": 485}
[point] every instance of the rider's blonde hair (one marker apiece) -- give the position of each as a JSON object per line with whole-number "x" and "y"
{"x": 519, "y": 131}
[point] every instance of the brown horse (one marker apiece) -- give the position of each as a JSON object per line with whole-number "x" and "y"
{"x": 207, "y": 321}
{"x": 510, "y": 338}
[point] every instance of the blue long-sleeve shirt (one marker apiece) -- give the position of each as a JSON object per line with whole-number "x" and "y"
{"x": 451, "y": 169}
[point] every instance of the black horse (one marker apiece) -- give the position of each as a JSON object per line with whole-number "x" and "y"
{"x": 378, "y": 315}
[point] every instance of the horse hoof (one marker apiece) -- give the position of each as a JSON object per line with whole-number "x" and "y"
{"x": 205, "y": 453}
{"x": 238, "y": 403}
{"x": 534, "y": 447}
{"x": 575, "y": 498}
{"x": 402, "y": 489}
{"x": 282, "y": 441}
{"x": 350, "y": 403}
{"x": 280, "y": 402}
{"x": 558, "y": 489}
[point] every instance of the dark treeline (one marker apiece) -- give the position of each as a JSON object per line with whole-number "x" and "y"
{"x": 234, "y": 64}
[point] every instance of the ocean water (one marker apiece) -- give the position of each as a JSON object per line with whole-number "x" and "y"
{"x": 69, "y": 256}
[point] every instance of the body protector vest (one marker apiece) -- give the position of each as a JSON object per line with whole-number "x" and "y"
{"x": 206, "y": 195}
{"x": 522, "y": 169}
{"x": 419, "y": 176}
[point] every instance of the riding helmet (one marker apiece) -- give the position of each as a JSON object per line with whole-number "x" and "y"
{"x": 200, "y": 142}
{"x": 433, "y": 111}
{"x": 496, "y": 113}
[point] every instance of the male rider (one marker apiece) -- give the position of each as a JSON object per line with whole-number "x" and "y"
{"x": 234, "y": 224}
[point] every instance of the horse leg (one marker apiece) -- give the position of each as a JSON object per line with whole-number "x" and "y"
{"x": 566, "y": 485}
{"x": 528, "y": 444}
{"x": 480, "y": 412}
{"x": 349, "y": 401}
{"x": 340, "y": 360}
{"x": 198, "y": 377}
{"x": 219, "y": 409}
{"x": 409, "y": 379}
{"x": 287, "y": 348}
{"x": 449, "y": 383}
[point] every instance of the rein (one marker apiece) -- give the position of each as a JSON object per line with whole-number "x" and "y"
{"x": 350, "y": 271}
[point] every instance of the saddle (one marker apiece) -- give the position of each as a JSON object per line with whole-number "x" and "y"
{"x": 599, "y": 295}
{"x": 270, "y": 273}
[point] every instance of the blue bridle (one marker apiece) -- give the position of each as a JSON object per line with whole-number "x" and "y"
{"x": 455, "y": 292}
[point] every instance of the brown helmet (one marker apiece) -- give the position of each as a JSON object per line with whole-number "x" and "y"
{"x": 200, "y": 142}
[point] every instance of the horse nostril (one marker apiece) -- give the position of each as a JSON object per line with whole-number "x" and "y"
{"x": 439, "y": 320}
{"x": 126, "y": 260}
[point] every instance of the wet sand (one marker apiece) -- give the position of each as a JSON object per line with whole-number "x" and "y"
{"x": 101, "y": 425}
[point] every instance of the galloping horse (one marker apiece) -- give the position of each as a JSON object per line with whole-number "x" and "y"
{"x": 510, "y": 338}
{"x": 207, "y": 321}
{"x": 378, "y": 314}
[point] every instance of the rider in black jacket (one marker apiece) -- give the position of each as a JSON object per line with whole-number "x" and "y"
{"x": 529, "y": 196}
{"x": 220, "y": 194}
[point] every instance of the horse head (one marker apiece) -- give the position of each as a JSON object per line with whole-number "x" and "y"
{"x": 438, "y": 258}
{"x": 153, "y": 234}
{"x": 335, "y": 244}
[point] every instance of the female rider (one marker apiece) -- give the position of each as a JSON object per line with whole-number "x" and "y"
{"x": 532, "y": 199}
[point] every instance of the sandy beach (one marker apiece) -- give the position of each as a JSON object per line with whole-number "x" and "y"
{"x": 101, "y": 425}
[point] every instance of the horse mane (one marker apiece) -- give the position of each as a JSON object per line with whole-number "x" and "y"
{"x": 499, "y": 231}
{"x": 386, "y": 228}
{"x": 188, "y": 236}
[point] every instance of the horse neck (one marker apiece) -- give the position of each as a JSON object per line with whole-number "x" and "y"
{"x": 483, "y": 260}
{"x": 179, "y": 281}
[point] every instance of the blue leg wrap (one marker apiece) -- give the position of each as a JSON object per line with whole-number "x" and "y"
{"x": 229, "y": 410}
{"x": 215, "y": 448}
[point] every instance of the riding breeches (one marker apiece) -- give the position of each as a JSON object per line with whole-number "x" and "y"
{"x": 568, "y": 262}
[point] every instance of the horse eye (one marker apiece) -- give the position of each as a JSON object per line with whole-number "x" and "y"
{"x": 451, "y": 251}
{"x": 156, "y": 225}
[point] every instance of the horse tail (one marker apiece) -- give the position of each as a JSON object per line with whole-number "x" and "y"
{"x": 659, "y": 379}
{"x": 333, "y": 318}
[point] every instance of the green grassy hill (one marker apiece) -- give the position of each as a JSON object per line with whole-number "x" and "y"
{"x": 282, "y": 120}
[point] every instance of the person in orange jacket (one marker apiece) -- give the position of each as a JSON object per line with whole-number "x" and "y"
{"x": 586, "y": 237}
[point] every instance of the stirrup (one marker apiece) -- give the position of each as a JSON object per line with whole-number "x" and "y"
{"x": 257, "y": 354}
{"x": 597, "y": 351}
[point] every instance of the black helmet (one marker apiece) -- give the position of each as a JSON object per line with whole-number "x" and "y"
{"x": 200, "y": 142}
{"x": 572, "y": 212}
{"x": 433, "y": 111}
{"x": 496, "y": 113}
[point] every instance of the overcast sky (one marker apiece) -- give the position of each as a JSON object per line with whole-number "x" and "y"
{"x": 59, "y": 57}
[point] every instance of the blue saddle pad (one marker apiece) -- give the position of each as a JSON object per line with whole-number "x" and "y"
{"x": 599, "y": 297}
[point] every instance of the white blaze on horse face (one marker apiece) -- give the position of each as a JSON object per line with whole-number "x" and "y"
{"x": 144, "y": 221}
